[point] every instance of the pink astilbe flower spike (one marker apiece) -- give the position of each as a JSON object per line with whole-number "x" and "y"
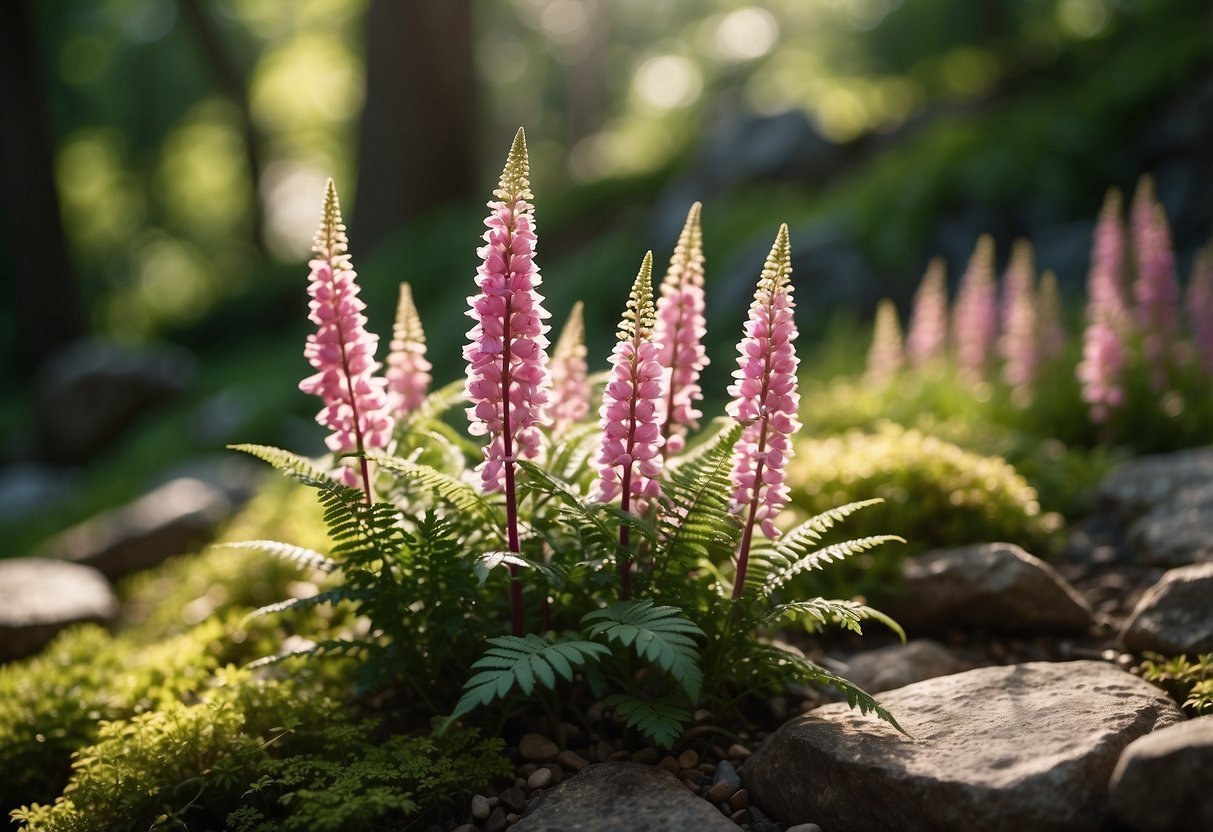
{"x": 1198, "y": 303}
{"x": 630, "y": 462}
{"x": 408, "y": 370}
{"x": 570, "y": 384}
{"x": 1100, "y": 372}
{"x": 764, "y": 396}
{"x": 507, "y": 347}
{"x": 1156, "y": 289}
{"x": 927, "y": 340}
{"x": 1051, "y": 336}
{"x": 343, "y": 352}
{"x": 975, "y": 316}
{"x": 1017, "y": 341}
{"x": 885, "y": 356}
{"x": 679, "y": 332}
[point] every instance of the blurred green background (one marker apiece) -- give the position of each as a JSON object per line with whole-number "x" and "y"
{"x": 164, "y": 163}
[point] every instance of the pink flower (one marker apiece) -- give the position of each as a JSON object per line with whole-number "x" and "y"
{"x": 1103, "y": 354}
{"x": 764, "y": 395}
{"x": 885, "y": 356}
{"x": 1156, "y": 289}
{"x": 342, "y": 351}
{"x": 1051, "y": 337}
{"x": 570, "y": 385}
{"x": 1017, "y": 343}
{"x": 507, "y": 346}
{"x": 408, "y": 372}
{"x": 630, "y": 461}
{"x": 679, "y": 333}
{"x": 975, "y": 316}
{"x": 928, "y": 335}
{"x": 1198, "y": 302}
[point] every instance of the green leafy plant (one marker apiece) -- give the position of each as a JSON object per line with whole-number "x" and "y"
{"x": 1188, "y": 682}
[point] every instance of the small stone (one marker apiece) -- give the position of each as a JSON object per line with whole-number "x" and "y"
{"x": 467, "y": 827}
{"x": 1174, "y": 615}
{"x": 537, "y": 748}
{"x": 692, "y": 777}
{"x": 541, "y": 778}
{"x": 741, "y": 800}
{"x": 603, "y": 750}
{"x": 496, "y": 821}
{"x": 737, "y": 752}
{"x": 688, "y": 759}
{"x": 557, "y": 774}
{"x": 719, "y": 793}
{"x": 804, "y": 827}
{"x": 647, "y": 756}
{"x": 669, "y": 764}
{"x": 512, "y": 817}
{"x": 43, "y": 596}
{"x": 702, "y": 715}
{"x": 526, "y": 769}
{"x": 494, "y": 801}
{"x": 572, "y": 760}
{"x": 480, "y": 807}
{"x": 1162, "y": 780}
{"x": 514, "y": 797}
{"x": 620, "y": 756}
{"x": 738, "y": 816}
{"x": 570, "y": 734}
{"x": 725, "y": 773}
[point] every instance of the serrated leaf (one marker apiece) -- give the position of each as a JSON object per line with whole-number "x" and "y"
{"x": 659, "y": 634}
{"x": 296, "y": 554}
{"x": 658, "y": 719}
{"x": 847, "y": 614}
{"x": 805, "y": 670}
{"x": 828, "y": 554}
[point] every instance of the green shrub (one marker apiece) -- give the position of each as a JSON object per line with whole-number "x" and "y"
{"x": 1189, "y": 683}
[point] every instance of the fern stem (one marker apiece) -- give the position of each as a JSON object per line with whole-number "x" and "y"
{"x": 511, "y": 494}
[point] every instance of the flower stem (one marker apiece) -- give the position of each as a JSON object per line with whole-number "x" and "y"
{"x": 625, "y": 564}
{"x": 511, "y": 498}
{"x": 349, "y": 386}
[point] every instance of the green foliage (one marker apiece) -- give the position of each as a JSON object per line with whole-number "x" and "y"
{"x": 659, "y": 634}
{"x": 1189, "y": 683}
{"x": 661, "y": 720}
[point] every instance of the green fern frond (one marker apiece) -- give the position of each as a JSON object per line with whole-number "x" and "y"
{"x": 659, "y": 634}
{"x": 489, "y": 561}
{"x": 779, "y": 576}
{"x": 293, "y": 465}
{"x": 330, "y": 647}
{"x": 658, "y": 719}
{"x": 846, "y": 614}
{"x": 801, "y": 669}
{"x": 458, "y": 494}
{"x": 286, "y": 551}
{"x": 575, "y": 510}
{"x": 523, "y": 662}
{"x": 332, "y": 596}
{"x": 436, "y": 404}
{"x": 570, "y": 458}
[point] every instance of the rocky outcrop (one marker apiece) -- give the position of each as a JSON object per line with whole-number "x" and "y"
{"x": 1175, "y": 615}
{"x": 1028, "y": 746}
{"x": 43, "y": 596}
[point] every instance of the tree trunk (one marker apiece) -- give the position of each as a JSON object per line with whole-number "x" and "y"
{"x": 418, "y": 145}
{"x": 44, "y": 300}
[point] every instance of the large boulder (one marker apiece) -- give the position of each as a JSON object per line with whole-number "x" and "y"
{"x": 621, "y": 797}
{"x": 899, "y": 665}
{"x": 1164, "y": 781}
{"x": 1028, "y": 746}
{"x": 42, "y": 596}
{"x": 996, "y": 586}
{"x": 1175, "y": 615}
{"x": 1179, "y": 530}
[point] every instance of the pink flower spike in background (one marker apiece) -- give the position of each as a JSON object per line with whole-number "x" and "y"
{"x": 1198, "y": 303}
{"x": 885, "y": 356}
{"x": 1156, "y": 289}
{"x": 343, "y": 352}
{"x": 1017, "y": 341}
{"x": 927, "y": 341}
{"x": 1051, "y": 336}
{"x": 975, "y": 315}
{"x": 570, "y": 382}
{"x": 1100, "y": 372}
{"x": 408, "y": 370}
{"x": 679, "y": 332}
{"x": 764, "y": 396}
{"x": 630, "y": 461}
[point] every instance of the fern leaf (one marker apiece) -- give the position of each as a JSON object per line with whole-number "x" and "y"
{"x": 331, "y": 647}
{"x": 847, "y": 614}
{"x": 658, "y": 634}
{"x": 511, "y": 661}
{"x": 802, "y": 669}
{"x": 455, "y": 492}
{"x": 570, "y": 458}
{"x": 295, "y": 554}
{"x": 575, "y": 510}
{"x": 817, "y": 559}
{"x": 330, "y": 597}
{"x": 658, "y": 719}
{"x": 489, "y": 561}
{"x": 435, "y": 405}
{"x": 288, "y": 463}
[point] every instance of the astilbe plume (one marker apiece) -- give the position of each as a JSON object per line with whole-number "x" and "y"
{"x": 570, "y": 399}
{"x": 1156, "y": 289}
{"x": 343, "y": 352}
{"x": 1101, "y": 370}
{"x": 1198, "y": 303}
{"x": 679, "y": 333}
{"x": 1017, "y": 342}
{"x": 885, "y": 355}
{"x": 507, "y": 376}
{"x": 630, "y": 461}
{"x": 975, "y": 315}
{"x": 927, "y": 339}
{"x": 765, "y": 399}
{"x": 408, "y": 370}
{"x": 1051, "y": 334}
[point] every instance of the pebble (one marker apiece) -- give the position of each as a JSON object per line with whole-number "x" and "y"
{"x": 496, "y": 821}
{"x": 537, "y": 748}
{"x": 804, "y": 827}
{"x": 737, "y": 752}
{"x": 741, "y": 800}
{"x": 572, "y": 760}
{"x": 719, "y": 793}
{"x": 702, "y": 715}
{"x": 692, "y": 777}
{"x": 688, "y": 759}
{"x": 480, "y": 807}
{"x": 669, "y": 764}
{"x": 527, "y": 770}
{"x": 648, "y": 756}
{"x": 738, "y": 816}
{"x": 541, "y": 778}
{"x": 619, "y": 757}
{"x": 603, "y": 750}
{"x": 514, "y": 797}
{"x": 467, "y": 827}
{"x": 725, "y": 773}
{"x": 512, "y": 817}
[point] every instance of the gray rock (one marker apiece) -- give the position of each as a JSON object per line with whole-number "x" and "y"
{"x": 43, "y": 596}
{"x": 726, "y": 774}
{"x": 1143, "y": 483}
{"x": 997, "y": 586}
{"x": 90, "y": 391}
{"x": 1164, "y": 781}
{"x": 901, "y": 664}
{"x": 1175, "y": 615}
{"x": 1027, "y": 746}
{"x": 1179, "y": 530}
{"x": 621, "y": 797}
{"x": 166, "y": 521}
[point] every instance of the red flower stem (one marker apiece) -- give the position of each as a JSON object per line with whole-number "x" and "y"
{"x": 511, "y": 499}
{"x": 625, "y": 564}
{"x": 743, "y": 553}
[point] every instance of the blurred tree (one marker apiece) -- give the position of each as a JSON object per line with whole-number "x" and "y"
{"x": 418, "y": 140}
{"x": 45, "y": 302}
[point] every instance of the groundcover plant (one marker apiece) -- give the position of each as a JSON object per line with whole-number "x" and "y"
{"x": 636, "y": 558}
